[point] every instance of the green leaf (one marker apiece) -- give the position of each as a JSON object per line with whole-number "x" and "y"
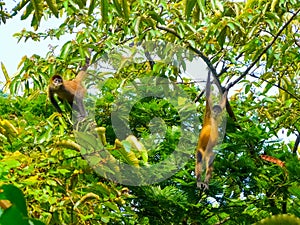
{"x": 11, "y": 216}
{"x": 89, "y": 141}
{"x": 268, "y": 87}
{"x": 273, "y": 5}
{"x": 65, "y": 51}
{"x": 11, "y": 163}
{"x": 129, "y": 157}
{"x": 63, "y": 171}
{"x": 20, "y": 5}
{"x": 231, "y": 26}
{"x": 222, "y": 37}
{"x": 125, "y": 8}
{"x": 137, "y": 25}
{"x": 91, "y": 7}
{"x": 15, "y": 196}
{"x": 247, "y": 88}
{"x": 27, "y": 12}
{"x": 81, "y": 3}
{"x": 53, "y": 7}
{"x": 295, "y": 190}
{"x": 117, "y": 5}
{"x": 156, "y": 17}
{"x": 201, "y": 4}
{"x": 189, "y": 5}
{"x": 112, "y": 206}
{"x": 5, "y": 72}
{"x": 38, "y": 12}
{"x": 104, "y": 10}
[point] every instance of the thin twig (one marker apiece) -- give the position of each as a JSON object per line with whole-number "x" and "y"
{"x": 276, "y": 85}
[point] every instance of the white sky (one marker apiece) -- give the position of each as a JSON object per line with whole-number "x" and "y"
{"x": 11, "y": 52}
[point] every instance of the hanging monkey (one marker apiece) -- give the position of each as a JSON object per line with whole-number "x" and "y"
{"x": 208, "y": 136}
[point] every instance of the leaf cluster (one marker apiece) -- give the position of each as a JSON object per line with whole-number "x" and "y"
{"x": 253, "y": 50}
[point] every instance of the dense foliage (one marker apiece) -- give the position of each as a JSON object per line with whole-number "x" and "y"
{"x": 252, "y": 48}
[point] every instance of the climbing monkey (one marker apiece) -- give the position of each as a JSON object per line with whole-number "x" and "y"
{"x": 70, "y": 90}
{"x": 208, "y": 136}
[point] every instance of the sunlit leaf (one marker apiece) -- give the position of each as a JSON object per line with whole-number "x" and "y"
{"x": 92, "y": 6}
{"x": 5, "y": 73}
{"x": 53, "y": 6}
{"x": 189, "y": 6}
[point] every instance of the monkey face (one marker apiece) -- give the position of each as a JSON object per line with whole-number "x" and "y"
{"x": 216, "y": 110}
{"x": 57, "y": 81}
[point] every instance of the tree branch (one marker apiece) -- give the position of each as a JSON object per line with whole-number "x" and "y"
{"x": 264, "y": 51}
{"x": 199, "y": 53}
{"x": 232, "y": 115}
{"x": 296, "y": 144}
{"x": 276, "y": 85}
{"x": 212, "y": 68}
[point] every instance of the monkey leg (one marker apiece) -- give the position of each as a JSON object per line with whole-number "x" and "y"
{"x": 79, "y": 107}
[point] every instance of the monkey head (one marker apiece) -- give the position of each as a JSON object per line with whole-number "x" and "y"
{"x": 216, "y": 110}
{"x": 56, "y": 81}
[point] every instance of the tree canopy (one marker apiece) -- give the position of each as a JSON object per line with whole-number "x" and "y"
{"x": 252, "y": 48}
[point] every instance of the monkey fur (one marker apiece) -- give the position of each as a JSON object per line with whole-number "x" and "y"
{"x": 208, "y": 137}
{"x": 71, "y": 91}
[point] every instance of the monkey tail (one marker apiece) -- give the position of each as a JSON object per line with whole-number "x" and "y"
{"x": 80, "y": 76}
{"x": 82, "y": 73}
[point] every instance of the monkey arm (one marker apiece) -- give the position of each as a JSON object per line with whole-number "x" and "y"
{"x": 53, "y": 101}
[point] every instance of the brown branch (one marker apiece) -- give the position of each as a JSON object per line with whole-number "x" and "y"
{"x": 212, "y": 68}
{"x": 225, "y": 69}
{"x": 231, "y": 114}
{"x": 199, "y": 96}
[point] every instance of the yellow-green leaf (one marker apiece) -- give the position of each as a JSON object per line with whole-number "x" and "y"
{"x": 189, "y": 5}
{"x": 104, "y": 10}
{"x": 125, "y": 8}
{"x": 53, "y": 6}
{"x": 91, "y": 7}
{"x": 5, "y": 72}
{"x": 201, "y": 4}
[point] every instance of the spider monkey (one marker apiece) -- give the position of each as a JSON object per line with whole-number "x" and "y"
{"x": 68, "y": 90}
{"x": 208, "y": 136}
